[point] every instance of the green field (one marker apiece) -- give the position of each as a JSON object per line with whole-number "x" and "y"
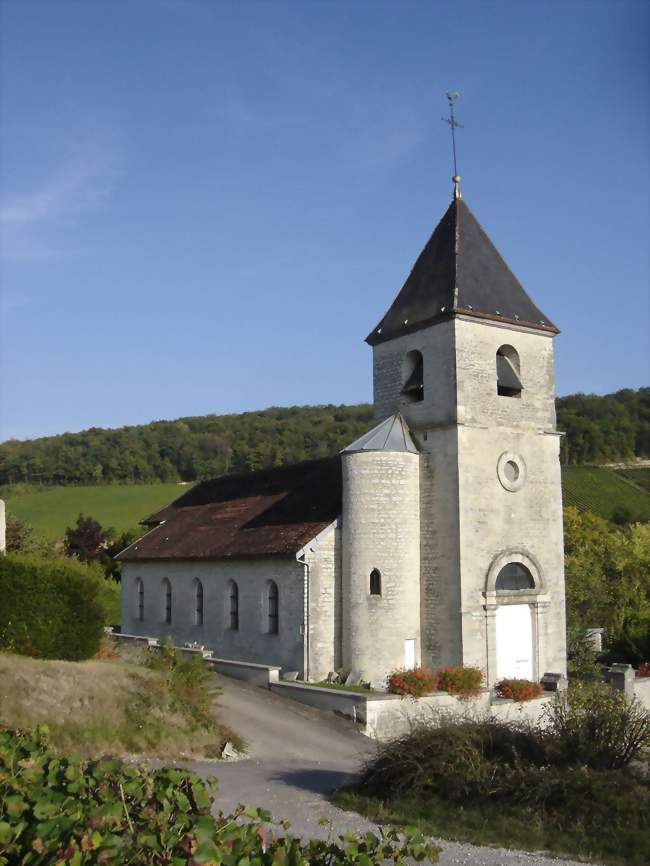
{"x": 640, "y": 476}
{"x": 602, "y": 491}
{"x": 53, "y": 509}
{"x": 605, "y": 492}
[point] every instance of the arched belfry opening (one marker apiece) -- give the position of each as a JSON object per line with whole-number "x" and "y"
{"x": 508, "y": 372}
{"x": 413, "y": 389}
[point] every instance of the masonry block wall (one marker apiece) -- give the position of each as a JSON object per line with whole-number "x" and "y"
{"x": 468, "y": 518}
{"x": 524, "y": 524}
{"x": 381, "y": 530}
{"x": 324, "y": 606}
{"x": 251, "y": 641}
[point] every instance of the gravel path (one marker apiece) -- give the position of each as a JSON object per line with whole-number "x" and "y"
{"x": 297, "y": 755}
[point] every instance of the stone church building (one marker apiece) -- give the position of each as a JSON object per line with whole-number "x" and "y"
{"x": 434, "y": 539}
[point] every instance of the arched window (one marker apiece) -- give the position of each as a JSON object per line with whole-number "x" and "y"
{"x": 167, "y": 589}
{"x": 198, "y": 610}
{"x": 139, "y": 598}
{"x": 375, "y": 582}
{"x": 413, "y": 389}
{"x": 272, "y": 607}
{"x": 508, "y": 372}
{"x": 233, "y": 606}
{"x": 514, "y": 576}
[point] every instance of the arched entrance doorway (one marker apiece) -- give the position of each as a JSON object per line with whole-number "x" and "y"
{"x": 512, "y": 608}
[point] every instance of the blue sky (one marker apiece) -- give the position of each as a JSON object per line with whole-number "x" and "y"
{"x": 206, "y": 206}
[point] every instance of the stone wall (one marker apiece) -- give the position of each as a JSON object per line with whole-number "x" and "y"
{"x": 509, "y": 521}
{"x": 381, "y": 530}
{"x": 251, "y": 642}
{"x": 384, "y": 716}
{"x": 324, "y": 560}
{"x": 468, "y": 517}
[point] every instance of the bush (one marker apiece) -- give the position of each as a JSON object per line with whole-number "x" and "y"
{"x": 456, "y": 760}
{"x": 643, "y": 670}
{"x": 415, "y": 682}
{"x": 73, "y": 811}
{"x": 462, "y": 681}
{"x": 596, "y": 726}
{"x": 189, "y": 683}
{"x": 518, "y": 690}
{"x": 51, "y": 608}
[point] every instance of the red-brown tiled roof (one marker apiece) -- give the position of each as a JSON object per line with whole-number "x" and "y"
{"x": 273, "y": 512}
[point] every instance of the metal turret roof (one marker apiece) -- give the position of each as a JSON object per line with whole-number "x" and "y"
{"x": 459, "y": 271}
{"x": 390, "y": 435}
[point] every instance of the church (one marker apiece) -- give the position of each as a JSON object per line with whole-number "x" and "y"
{"x": 435, "y": 539}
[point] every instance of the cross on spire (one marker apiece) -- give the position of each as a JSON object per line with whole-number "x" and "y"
{"x": 453, "y": 123}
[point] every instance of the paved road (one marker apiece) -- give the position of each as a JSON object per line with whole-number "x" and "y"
{"x": 296, "y": 756}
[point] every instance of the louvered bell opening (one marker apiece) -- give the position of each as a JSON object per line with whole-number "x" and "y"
{"x": 414, "y": 387}
{"x": 508, "y": 382}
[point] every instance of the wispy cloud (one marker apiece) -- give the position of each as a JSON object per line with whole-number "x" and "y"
{"x": 82, "y": 181}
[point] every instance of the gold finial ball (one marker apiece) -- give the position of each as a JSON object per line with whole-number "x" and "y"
{"x": 456, "y": 178}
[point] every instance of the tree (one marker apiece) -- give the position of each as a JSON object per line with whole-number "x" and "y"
{"x": 87, "y": 540}
{"x": 608, "y": 581}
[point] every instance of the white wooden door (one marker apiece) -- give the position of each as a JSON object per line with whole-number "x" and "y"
{"x": 514, "y": 642}
{"x": 409, "y": 654}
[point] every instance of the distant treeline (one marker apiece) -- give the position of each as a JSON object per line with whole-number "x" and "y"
{"x": 599, "y": 429}
{"x": 605, "y": 429}
{"x": 186, "y": 449}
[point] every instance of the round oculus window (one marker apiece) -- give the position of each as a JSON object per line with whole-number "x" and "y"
{"x": 511, "y": 471}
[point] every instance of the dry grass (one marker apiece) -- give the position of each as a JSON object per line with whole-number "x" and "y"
{"x": 102, "y": 707}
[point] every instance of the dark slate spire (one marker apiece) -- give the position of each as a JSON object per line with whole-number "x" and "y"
{"x": 459, "y": 271}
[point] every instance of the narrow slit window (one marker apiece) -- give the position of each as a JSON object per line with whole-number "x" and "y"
{"x": 375, "y": 582}
{"x": 413, "y": 388}
{"x": 233, "y": 606}
{"x": 167, "y": 587}
{"x": 198, "y": 612}
{"x": 272, "y": 602}
{"x": 508, "y": 376}
{"x": 139, "y": 589}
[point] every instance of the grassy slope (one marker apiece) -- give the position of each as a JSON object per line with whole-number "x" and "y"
{"x": 639, "y": 476}
{"x": 100, "y": 707}
{"x": 603, "y": 491}
{"x": 51, "y": 511}
{"x": 510, "y": 825}
{"x": 590, "y": 488}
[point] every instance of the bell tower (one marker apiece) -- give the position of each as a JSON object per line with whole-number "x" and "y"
{"x": 466, "y": 357}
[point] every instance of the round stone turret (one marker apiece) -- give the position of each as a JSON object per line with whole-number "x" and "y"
{"x": 381, "y": 552}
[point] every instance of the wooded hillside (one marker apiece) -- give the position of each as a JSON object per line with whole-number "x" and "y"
{"x": 599, "y": 429}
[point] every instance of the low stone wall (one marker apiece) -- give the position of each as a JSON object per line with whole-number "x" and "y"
{"x": 385, "y": 716}
{"x": 259, "y": 675}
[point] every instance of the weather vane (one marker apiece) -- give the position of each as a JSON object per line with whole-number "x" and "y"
{"x": 453, "y": 123}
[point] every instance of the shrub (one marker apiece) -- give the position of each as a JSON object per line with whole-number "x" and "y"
{"x": 643, "y": 670}
{"x": 462, "y": 681}
{"x": 188, "y": 682}
{"x": 51, "y": 608}
{"x": 73, "y": 811}
{"x": 415, "y": 682}
{"x": 596, "y": 726}
{"x": 456, "y": 760}
{"x": 518, "y": 690}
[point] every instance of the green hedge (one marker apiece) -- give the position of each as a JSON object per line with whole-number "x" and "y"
{"x": 52, "y": 608}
